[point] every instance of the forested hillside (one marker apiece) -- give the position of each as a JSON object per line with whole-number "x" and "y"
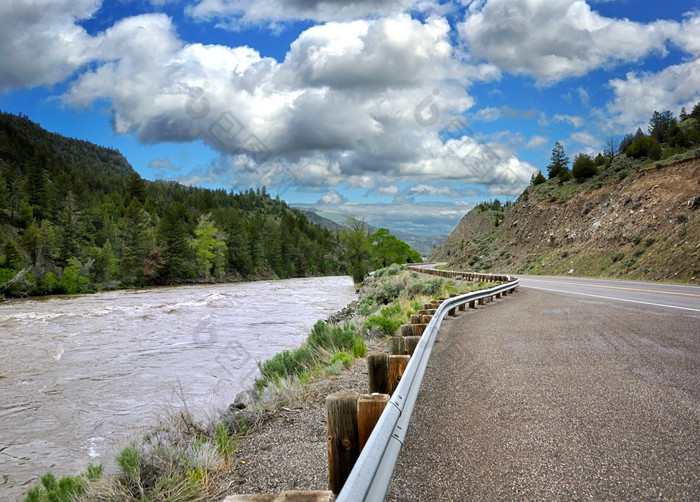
{"x": 75, "y": 217}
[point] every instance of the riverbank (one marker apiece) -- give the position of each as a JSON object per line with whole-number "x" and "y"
{"x": 279, "y": 442}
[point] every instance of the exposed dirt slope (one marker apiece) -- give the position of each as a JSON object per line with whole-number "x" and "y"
{"x": 646, "y": 225}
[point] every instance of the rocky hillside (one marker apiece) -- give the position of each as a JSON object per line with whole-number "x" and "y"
{"x": 641, "y": 224}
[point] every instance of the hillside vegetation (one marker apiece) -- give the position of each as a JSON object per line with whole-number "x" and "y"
{"x": 75, "y": 217}
{"x": 632, "y": 216}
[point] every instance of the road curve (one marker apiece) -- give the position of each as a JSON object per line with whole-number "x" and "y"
{"x": 672, "y": 296}
{"x": 562, "y": 391}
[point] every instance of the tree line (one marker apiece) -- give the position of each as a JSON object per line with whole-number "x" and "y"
{"x": 75, "y": 217}
{"x": 666, "y": 136}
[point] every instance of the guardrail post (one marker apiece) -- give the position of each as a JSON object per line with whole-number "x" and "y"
{"x": 410, "y": 343}
{"x": 395, "y": 346}
{"x": 397, "y": 365}
{"x": 369, "y": 409}
{"x": 378, "y": 373}
{"x": 343, "y": 443}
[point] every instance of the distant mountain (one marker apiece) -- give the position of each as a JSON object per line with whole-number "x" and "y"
{"x": 424, "y": 244}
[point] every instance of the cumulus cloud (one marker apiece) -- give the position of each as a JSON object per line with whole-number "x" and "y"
{"x": 571, "y": 119}
{"x": 638, "y": 94}
{"x": 331, "y": 197}
{"x": 41, "y": 42}
{"x": 423, "y": 189}
{"x": 556, "y": 39}
{"x": 254, "y": 11}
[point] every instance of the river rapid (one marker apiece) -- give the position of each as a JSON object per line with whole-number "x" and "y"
{"x": 80, "y": 376}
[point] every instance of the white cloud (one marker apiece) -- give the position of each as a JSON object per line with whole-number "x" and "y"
{"x": 41, "y": 42}
{"x": 571, "y": 119}
{"x": 423, "y": 189}
{"x": 536, "y": 142}
{"x": 556, "y": 39}
{"x": 256, "y": 11}
{"x": 638, "y": 95}
{"x": 331, "y": 197}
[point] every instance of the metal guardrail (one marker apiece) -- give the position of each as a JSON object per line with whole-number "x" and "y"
{"x": 371, "y": 475}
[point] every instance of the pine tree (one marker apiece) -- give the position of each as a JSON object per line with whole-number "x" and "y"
{"x": 558, "y": 161}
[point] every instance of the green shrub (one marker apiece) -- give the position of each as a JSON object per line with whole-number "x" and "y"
{"x": 648, "y": 242}
{"x": 638, "y": 252}
{"x": 334, "y": 368}
{"x": 359, "y": 349}
{"x": 645, "y": 147}
{"x": 617, "y": 257}
{"x": 345, "y": 359}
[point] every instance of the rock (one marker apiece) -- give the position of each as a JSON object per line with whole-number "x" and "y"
{"x": 245, "y": 399}
{"x": 571, "y": 272}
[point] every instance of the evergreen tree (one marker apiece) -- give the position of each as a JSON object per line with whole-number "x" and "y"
{"x": 537, "y": 179}
{"x": 173, "y": 239}
{"x": 660, "y": 125}
{"x": 69, "y": 224}
{"x": 558, "y": 161}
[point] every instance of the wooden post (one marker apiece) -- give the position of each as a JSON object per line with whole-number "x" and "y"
{"x": 415, "y": 318}
{"x": 397, "y": 365}
{"x": 395, "y": 346}
{"x": 378, "y": 372}
{"x": 460, "y": 307}
{"x": 408, "y": 330}
{"x": 481, "y": 301}
{"x": 369, "y": 409}
{"x": 472, "y": 304}
{"x": 410, "y": 343}
{"x": 452, "y": 312}
{"x": 418, "y": 330}
{"x": 343, "y": 444}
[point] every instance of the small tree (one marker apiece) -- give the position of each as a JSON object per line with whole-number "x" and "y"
{"x": 584, "y": 167}
{"x": 611, "y": 148}
{"x": 558, "y": 161}
{"x": 537, "y": 179}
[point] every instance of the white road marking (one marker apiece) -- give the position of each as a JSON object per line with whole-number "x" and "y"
{"x": 613, "y": 298}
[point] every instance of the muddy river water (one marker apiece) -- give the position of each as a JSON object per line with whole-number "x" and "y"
{"x": 80, "y": 376}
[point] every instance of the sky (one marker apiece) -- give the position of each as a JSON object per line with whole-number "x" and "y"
{"x": 402, "y": 112}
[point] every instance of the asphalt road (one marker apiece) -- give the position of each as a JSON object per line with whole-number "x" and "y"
{"x": 568, "y": 390}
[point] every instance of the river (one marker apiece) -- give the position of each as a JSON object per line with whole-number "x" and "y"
{"x": 80, "y": 376}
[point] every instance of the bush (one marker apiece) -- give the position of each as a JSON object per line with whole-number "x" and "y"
{"x": 645, "y": 147}
{"x": 359, "y": 349}
{"x": 65, "y": 490}
{"x": 617, "y": 257}
{"x": 584, "y": 167}
{"x": 393, "y": 269}
{"x": 345, "y": 359}
{"x": 334, "y": 369}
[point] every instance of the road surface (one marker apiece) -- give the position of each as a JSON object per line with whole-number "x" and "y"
{"x": 570, "y": 389}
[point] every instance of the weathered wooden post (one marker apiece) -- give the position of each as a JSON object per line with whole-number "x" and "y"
{"x": 369, "y": 409}
{"x": 410, "y": 343}
{"x": 343, "y": 443}
{"x": 395, "y": 346}
{"x": 378, "y": 373}
{"x": 397, "y": 365}
{"x": 472, "y": 304}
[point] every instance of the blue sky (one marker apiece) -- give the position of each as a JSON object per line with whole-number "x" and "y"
{"x": 404, "y": 112}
